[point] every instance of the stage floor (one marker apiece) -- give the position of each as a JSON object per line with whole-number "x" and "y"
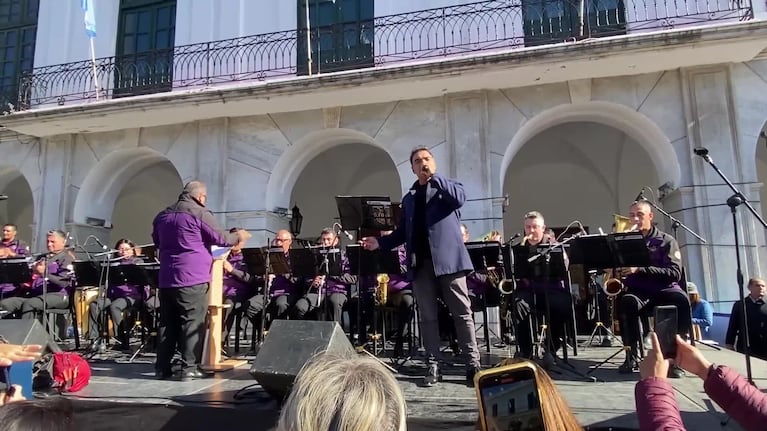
{"x": 125, "y": 395}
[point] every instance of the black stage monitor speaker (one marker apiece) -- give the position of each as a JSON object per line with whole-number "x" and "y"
{"x": 289, "y": 345}
{"x": 27, "y": 331}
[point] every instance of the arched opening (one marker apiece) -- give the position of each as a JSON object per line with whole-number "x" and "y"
{"x": 19, "y": 207}
{"x": 577, "y": 171}
{"x": 124, "y": 192}
{"x": 349, "y": 169}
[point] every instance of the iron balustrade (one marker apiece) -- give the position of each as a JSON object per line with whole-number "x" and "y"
{"x": 394, "y": 39}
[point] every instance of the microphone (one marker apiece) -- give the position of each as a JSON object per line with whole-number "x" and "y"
{"x": 98, "y": 241}
{"x": 3, "y": 197}
{"x": 700, "y": 151}
{"x": 342, "y": 231}
{"x": 640, "y": 196}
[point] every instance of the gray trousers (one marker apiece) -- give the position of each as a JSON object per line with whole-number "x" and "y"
{"x": 427, "y": 288}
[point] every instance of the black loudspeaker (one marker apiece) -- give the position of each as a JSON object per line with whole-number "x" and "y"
{"x": 289, "y": 345}
{"x": 27, "y": 331}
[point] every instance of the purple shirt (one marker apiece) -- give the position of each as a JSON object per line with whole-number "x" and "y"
{"x": 665, "y": 269}
{"x": 282, "y": 285}
{"x": 59, "y": 276}
{"x": 20, "y": 249}
{"x": 184, "y": 234}
{"x": 397, "y": 282}
{"x": 336, "y": 284}
{"x": 477, "y": 284}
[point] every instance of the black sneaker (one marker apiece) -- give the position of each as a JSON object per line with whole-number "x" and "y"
{"x": 471, "y": 371}
{"x": 628, "y": 366}
{"x": 675, "y": 372}
{"x": 433, "y": 375}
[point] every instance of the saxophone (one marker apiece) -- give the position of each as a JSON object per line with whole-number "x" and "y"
{"x": 382, "y": 289}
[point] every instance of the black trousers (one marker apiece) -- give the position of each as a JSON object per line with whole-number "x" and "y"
{"x": 182, "y": 323}
{"x": 30, "y": 307}
{"x": 116, "y": 309}
{"x": 307, "y": 305}
{"x": 634, "y": 311}
{"x": 526, "y": 302}
{"x": 280, "y": 305}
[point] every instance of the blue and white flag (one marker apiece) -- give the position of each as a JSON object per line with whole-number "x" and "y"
{"x": 90, "y": 17}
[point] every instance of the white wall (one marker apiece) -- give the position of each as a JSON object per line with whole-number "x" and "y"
{"x": 61, "y": 31}
{"x": 209, "y": 20}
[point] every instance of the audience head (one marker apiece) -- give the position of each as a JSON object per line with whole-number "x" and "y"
{"x": 344, "y": 392}
{"x": 756, "y": 287}
{"x": 692, "y": 292}
{"x": 53, "y": 414}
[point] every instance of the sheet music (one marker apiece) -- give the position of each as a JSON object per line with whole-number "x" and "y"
{"x": 219, "y": 252}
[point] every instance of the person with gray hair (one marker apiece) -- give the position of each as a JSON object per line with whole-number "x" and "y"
{"x": 344, "y": 392}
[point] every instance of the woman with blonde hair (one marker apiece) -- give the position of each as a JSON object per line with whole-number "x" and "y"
{"x": 344, "y": 392}
{"x": 555, "y": 411}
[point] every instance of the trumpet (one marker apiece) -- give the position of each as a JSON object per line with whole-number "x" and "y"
{"x": 612, "y": 283}
{"x": 382, "y": 289}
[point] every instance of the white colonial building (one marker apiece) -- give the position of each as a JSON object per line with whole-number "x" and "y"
{"x": 566, "y": 107}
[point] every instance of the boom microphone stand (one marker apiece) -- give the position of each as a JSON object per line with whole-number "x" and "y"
{"x": 734, "y": 202}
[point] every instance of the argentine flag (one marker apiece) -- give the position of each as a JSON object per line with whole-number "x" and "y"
{"x": 90, "y": 17}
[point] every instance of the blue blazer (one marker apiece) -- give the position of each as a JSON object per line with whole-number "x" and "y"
{"x": 444, "y": 198}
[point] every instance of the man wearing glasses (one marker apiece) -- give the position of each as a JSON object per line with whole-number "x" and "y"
{"x": 283, "y": 290}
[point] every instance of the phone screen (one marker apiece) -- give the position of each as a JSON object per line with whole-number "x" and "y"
{"x": 666, "y": 329}
{"x": 510, "y": 401}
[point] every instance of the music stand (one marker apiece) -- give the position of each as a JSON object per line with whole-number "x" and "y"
{"x": 266, "y": 261}
{"x": 616, "y": 250}
{"x": 151, "y": 272}
{"x": 486, "y": 256}
{"x": 15, "y": 270}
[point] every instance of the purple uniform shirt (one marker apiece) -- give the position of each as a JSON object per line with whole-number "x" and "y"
{"x": 665, "y": 270}
{"x": 238, "y": 284}
{"x": 125, "y": 290}
{"x": 336, "y": 284}
{"x": 184, "y": 234}
{"x": 59, "y": 276}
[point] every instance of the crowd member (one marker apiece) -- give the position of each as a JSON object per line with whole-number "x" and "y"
{"x": 756, "y": 316}
{"x": 344, "y": 392}
{"x": 53, "y": 414}
{"x": 656, "y": 405}
{"x": 702, "y": 312}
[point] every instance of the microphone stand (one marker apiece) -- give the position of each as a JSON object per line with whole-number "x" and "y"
{"x": 675, "y": 223}
{"x": 734, "y": 202}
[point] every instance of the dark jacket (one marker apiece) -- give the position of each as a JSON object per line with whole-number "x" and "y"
{"x": 665, "y": 270}
{"x": 444, "y": 198}
{"x": 184, "y": 234}
{"x": 756, "y": 316}
{"x": 657, "y": 408}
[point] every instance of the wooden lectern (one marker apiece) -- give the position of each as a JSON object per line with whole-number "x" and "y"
{"x": 211, "y": 355}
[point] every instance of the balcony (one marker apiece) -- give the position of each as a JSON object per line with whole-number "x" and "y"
{"x": 448, "y": 32}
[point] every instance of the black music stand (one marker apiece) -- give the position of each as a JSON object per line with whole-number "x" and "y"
{"x": 265, "y": 261}
{"x": 315, "y": 261}
{"x": 15, "y": 270}
{"x": 486, "y": 256}
{"x": 151, "y": 273}
{"x": 616, "y": 250}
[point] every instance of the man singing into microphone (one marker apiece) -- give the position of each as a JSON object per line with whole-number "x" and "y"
{"x": 438, "y": 262}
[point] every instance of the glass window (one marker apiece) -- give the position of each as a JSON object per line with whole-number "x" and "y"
{"x": 18, "y": 31}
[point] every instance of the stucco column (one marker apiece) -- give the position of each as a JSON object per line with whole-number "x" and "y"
{"x": 711, "y": 124}
{"x": 467, "y": 141}
{"x": 55, "y": 201}
{"x": 262, "y": 224}
{"x": 212, "y": 152}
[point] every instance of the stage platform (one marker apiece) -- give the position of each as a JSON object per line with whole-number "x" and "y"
{"x": 126, "y": 396}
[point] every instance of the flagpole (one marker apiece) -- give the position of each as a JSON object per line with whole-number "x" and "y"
{"x": 308, "y": 39}
{"x": 93, "y": 63}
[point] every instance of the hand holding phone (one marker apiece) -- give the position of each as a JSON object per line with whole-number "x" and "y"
{"x": 666, "y": 329}
{"x": 509, "y": 398}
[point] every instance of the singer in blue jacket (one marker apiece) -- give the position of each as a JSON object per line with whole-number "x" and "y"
{"x": 430, "y": 228}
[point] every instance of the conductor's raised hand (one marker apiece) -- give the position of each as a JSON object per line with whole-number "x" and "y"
{"x": 369, "y": 243}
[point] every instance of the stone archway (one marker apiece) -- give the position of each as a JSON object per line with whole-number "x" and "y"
{"x": 295, "y": 159}
{"x": 18, "y": 209}
{"x": 635, "y": 125}
{"x": 124, "y": 191}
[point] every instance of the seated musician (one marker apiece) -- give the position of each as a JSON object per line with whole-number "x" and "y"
{"x": 650, "y": 286}
{"x": 335, "y": 289}
{"x": 481, "y": 287}
{"x": 239, "y": 285}
{"x": 399, "y": 294}
{"x": 531, "y": 296}
{"x": 120, "y": 296}
{"x": 283, "y": 289}
{"x": 59, "y": 275}
{"x": 10, "y": 247}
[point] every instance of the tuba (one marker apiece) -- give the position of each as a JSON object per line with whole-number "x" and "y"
{"x": 382, "y": 289}
{"x": 613, "y": 284}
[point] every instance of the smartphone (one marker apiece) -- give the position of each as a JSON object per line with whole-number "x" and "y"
{"x": 666, "y": 329}
{"x": 509, "y": 399}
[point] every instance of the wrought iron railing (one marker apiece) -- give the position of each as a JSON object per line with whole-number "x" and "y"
{"x": 394, "y": 39}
